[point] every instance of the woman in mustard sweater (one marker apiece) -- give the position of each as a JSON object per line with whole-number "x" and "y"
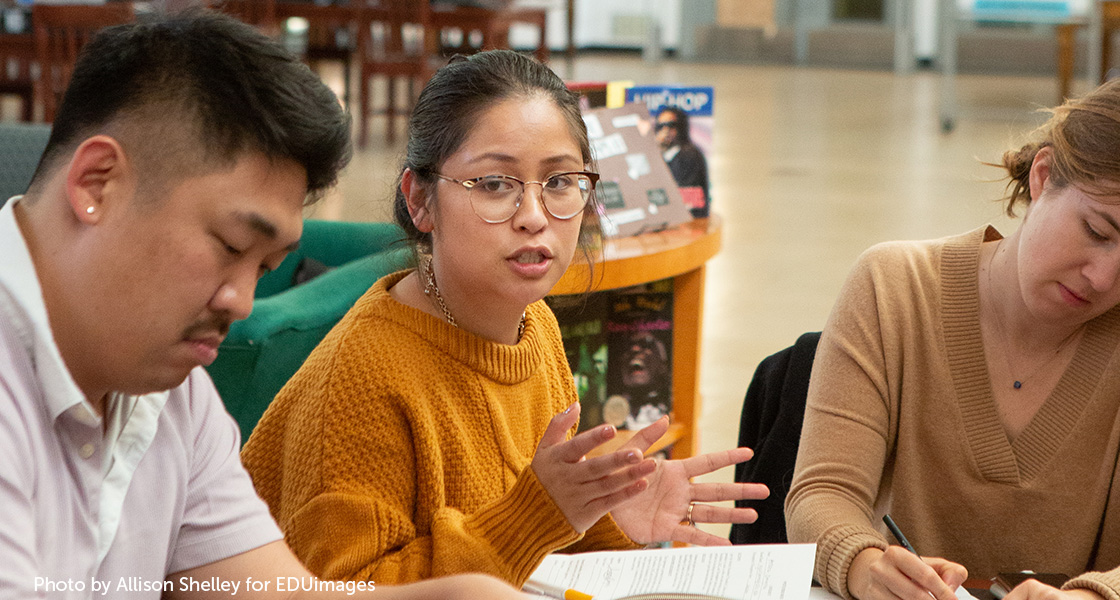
{"x": 970, "y": 386}
{"x": 428, "y": 432}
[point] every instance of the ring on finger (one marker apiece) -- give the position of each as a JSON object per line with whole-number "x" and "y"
{"x": 688, "y": 515}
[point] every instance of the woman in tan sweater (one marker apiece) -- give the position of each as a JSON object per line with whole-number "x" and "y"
{"x": 970, "y": 387}
{"x": 428, "y": 433}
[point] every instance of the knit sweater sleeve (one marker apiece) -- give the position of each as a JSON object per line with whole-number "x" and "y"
{"x": 374, "y": 519}
{"x": 605, "y": 534}
{"x": 846, "y": 434}
{"x": 1106, "y": 583}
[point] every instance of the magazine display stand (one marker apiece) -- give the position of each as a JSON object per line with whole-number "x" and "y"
{"x": 680, "y": 253}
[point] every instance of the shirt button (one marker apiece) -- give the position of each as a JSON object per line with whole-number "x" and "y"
{"x": 86, "y": 451}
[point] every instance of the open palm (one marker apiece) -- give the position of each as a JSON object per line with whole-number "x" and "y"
{"x": 659, "y": 513}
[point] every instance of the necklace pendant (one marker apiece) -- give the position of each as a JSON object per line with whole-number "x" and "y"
{"x": 1018, "y": 384}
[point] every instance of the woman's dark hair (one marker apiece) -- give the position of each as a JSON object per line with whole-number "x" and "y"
{"x": 1084, "y": 134}
{"x": 450, "y": 105}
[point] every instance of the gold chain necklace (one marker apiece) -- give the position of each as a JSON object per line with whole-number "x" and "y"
{"x": 432, "y": 290}
{"x": 1018, "y": 382}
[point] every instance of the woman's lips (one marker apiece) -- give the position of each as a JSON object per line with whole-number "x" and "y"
{"x": 1071, "y": 297}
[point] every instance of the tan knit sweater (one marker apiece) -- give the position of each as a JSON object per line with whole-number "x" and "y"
{"x": 399, "y": 451}
{"x": 900, "y": 419}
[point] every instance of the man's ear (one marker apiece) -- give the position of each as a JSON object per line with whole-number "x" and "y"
{"x": 1040, "y": 171}
{"x": 96, "y": 178}
{"x": 416, "y": 197}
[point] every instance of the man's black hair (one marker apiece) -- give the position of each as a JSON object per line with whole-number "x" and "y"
{"x": 218, "y": 85}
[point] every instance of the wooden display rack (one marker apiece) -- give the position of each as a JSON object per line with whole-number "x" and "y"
{"x": 680, "y": 253}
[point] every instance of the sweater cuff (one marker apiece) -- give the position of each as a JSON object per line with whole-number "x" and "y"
{"x": 605, "y": 534}
{"x": 1103, "y": 583}
{"x": 524, "y": 526}
{"x": 836, "y": 551}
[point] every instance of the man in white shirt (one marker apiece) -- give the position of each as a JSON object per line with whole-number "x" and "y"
{"x": 176, "y": 175}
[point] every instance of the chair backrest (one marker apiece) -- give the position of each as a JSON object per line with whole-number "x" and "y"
{"x": 17, "y": 53}
{"x": 61, "y": 30}
{"x": 384, "y": 27}
{"x": 263, "y": 351}
{"x": 21, "y": 145}
{"x": 773, "y": 411}
{"x": 261, "y": 13}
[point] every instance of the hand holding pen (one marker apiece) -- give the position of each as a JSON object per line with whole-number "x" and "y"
{"x": 899, "y": 573}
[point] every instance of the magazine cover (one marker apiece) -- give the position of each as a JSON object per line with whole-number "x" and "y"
{"x": 636, "y": 189}
{"x": 683, "y": 117}
{"x": 582, "y": 320}
{"x": 640, "y": 355}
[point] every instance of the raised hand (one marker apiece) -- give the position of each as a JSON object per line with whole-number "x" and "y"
{"x": 586, "y": 489}
{"x": 660, "y": 512}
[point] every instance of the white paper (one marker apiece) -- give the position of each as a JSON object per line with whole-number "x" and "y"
{"x": 637, "y": 165}
{"x": 594, "y": 127}
{"x": 606, "y": 147}
{"x": 964, "y": 594}
{"x": 819, "y": 593}
{"x": 630, "y": 120}
{"x": 751, "y": 572}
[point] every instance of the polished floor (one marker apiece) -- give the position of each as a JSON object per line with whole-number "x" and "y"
{"x": 810, "y": 167}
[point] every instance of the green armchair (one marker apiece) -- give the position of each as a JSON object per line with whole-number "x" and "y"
{"x": 262, "y": 352}
{"x": 21, "y": 145}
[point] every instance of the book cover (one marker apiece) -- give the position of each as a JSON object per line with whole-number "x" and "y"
{"x": 636, "y": 188}
{"x": 684, "y": 135}
{"x": 639, "y": 355}
{"x": 582, "y": 320}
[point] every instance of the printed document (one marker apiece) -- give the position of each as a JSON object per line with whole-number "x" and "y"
{"x": 752, "y": 572}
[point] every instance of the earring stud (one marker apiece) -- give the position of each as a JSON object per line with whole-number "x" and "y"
{"x": 89, "y": 210}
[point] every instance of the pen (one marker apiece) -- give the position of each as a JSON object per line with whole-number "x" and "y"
{"x": 898, "y": 533}
{"x": 554, "y": 591}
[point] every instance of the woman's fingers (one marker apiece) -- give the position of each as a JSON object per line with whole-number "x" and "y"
{"x": 576, "y": 448}
{"x": 705, "y": 513}
{"x": 714, "y": 461}
{"x": 604, "y": 504}
{"x": 719, "y": 492}
{"x": 648, "y": 435}
{"x": 692, "y": 535}
{"x": 950, "y": 572}
{"x": 557, "y": 430}
{"x": 919, "y": 574}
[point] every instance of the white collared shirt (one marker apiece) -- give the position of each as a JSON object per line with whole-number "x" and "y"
{"x": 155, "y": 488}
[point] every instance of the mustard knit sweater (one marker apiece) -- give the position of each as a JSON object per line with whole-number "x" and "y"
{"x": 399, "y": 451}
{"x": 900, "y": 419}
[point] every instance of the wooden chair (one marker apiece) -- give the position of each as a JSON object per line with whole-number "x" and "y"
{"x": 331, "y": 32}
{"x": 17, "y": 53}
{"x": 1110, "y": 23}
{"x": 492, "y": 25}
{"x": 60, "y": 33}
{"x": 261, "y": 13}
{"x": 393, "y": 44}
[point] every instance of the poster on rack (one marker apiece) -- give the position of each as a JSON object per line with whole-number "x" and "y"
{"x": 636, "y": 189}
{"x": 640, "y": 357}
{"x": 583, "y": 328}
{"x": 686, "y": 152}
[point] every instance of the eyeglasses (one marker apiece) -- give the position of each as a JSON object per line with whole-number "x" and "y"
{"x": 665, "y": 124}
{"x": 496, "y": 198}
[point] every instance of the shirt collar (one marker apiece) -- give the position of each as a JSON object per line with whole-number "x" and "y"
{"x": 22, "y": 304}
{"x": 671, "y": 153}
